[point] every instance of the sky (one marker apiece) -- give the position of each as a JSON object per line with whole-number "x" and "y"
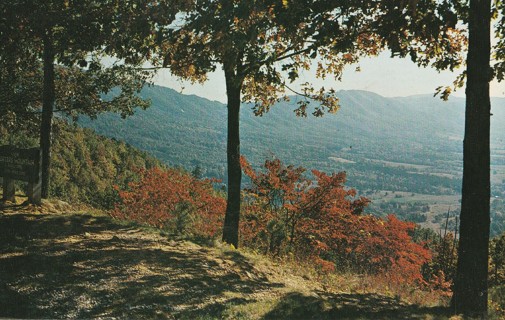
{"x": 388, "y": 77}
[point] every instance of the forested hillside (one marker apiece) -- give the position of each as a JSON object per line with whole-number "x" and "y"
{"x": 406, "y": 144}
{"x": 86, "y": 166}
{"x": 404, "y": 153}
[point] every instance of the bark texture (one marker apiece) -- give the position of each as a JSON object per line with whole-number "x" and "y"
{"x": 232, "y": 217}
{"x": 47, "y": 113}
{"x": 470, "y": 287}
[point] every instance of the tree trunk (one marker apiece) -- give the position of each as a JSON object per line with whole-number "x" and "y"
{"x": 47, "y": 112}
{"x": 470, "y": 286}
{"x": 231, "y": 220}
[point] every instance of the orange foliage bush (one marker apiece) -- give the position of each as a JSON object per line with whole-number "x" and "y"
{"x": 322, "y": 221}
{"x": 174, "y": 200}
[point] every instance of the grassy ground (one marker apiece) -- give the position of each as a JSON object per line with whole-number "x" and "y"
{"x": 89, "y": 266}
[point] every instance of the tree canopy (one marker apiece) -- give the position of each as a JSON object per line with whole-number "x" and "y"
{"x": 99, "y": 48}
{"x": 264, "y": 46}
{"x": 68, "y": 42}
{"x": 269, "y": 43}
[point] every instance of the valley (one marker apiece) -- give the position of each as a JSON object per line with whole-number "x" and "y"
{"x": 407, "y": 147}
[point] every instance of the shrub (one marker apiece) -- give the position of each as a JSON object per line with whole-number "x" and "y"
{"x": 173, "y": 200}
{"x": 322, "y": 221}
{"x": 497, "y": 261}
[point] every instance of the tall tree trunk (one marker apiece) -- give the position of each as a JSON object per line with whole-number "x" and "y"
{"x": 470, "y": 286}
{"x": 231, "y": 220}
{"x": 47, "y": 112}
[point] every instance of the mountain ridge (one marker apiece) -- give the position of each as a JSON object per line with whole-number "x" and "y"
{"x": 189, "y": 130}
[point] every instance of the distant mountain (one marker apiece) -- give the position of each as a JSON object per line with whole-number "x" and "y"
{"x": 411, "y": 144}
{"x": 404, "y": 153}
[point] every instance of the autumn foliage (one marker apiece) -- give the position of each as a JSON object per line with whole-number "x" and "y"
{"x": 323, "y": 221}
{"x": 285, "y": 213}
{"x": 173, "y": 200}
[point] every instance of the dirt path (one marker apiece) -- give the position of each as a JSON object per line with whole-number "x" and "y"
{"x": 84, "y": 266}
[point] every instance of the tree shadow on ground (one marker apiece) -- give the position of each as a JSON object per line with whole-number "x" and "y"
{"x": 83, "y": 266}
{"x": 349, "y": 306}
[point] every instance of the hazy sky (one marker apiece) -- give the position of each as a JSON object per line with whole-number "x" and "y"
{"x": 383, "y": 75}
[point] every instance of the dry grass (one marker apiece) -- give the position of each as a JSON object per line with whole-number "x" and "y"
{"x": 89, "y": 266}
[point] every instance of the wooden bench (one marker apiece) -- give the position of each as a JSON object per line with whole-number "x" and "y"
{"x": 23, "y": 165}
